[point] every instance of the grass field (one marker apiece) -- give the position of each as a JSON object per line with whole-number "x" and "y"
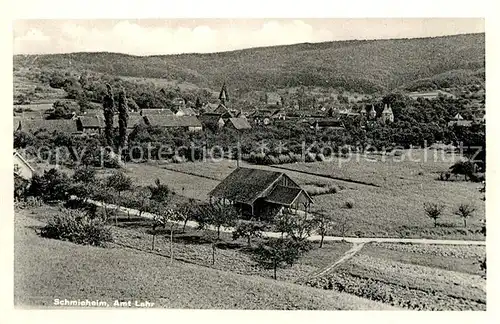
{"x": 46, "y": 269}
{"x": 190, "y": 186}
{"x": 40, "y": 92}
{"x": 411, "y": 167}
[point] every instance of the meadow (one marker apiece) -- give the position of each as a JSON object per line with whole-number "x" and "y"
{"x": 397, "y": 170}
{"x": 394, "y": 206}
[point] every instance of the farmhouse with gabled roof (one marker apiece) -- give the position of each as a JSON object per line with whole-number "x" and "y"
{"x": 261, "y": 193}
{"x": 22, "y": 168}
{"x": 238, "y": 123}
{"x": 188, "y": 123}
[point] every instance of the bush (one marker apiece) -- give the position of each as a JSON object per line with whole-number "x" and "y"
{"x": 477, "y": 177}
{"x": 77, "y": 227}
{"x": 89, "y": 208}
{"x": 349, "y": 204}
{"x": 20, "y": 187}
{"x": 323, "y": 190}
{"x": 52, "y": 185}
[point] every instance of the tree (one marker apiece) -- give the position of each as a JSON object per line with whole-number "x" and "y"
{"x": 465, "y": 211}
{"x": 324, "y": 223}
{"x": 160, "y": 192}
{"x": 164, "y": 216}
{"x": 82, "y": 190}
{"x": 108, "y": 105}
{"x": 433, "y": 211}
{"x": 465, "y": 168}
{"x": 217, "y": 215}
{"x": 186, "y": 212}
{"x": 119, "y": 181}
{"x": 23, "y": 139}
{"x": 101, "y": 193}
{"x": 141, "y": 200}
{"x": 248, "y": 230}
{"x": 283, "y": 223}
{"x": 279, "y": 253}
{"x": 198, "y": 103}
{"x": 300, "y": 226}
{"x": 52, "y": 185}
{"x": 20, "y": 187}
{"x": 84, "y": 174}
{"x": 482, "y": 265}
{"x": 122, "y": 118}
{"x": 343, "y": 224}
{"x": 157, "y": 221}
{"x": 61, "y": 110}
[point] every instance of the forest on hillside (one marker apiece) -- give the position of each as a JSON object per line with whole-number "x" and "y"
{"x": 365, "y": 66}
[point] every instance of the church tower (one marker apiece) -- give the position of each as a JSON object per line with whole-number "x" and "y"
{"x": 373, "y": 113}
{"x": 223, "y": 96}
{"x": 387, "y": 115}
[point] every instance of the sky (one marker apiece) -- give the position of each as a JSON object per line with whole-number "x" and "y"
{"x": 175, "y": 36}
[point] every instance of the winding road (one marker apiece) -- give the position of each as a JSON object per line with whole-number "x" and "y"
{"x": 354, "y": 240}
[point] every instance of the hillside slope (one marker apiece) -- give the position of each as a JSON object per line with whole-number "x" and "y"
{"x": 46, "y": 269}
{"x": 365, "y": 65}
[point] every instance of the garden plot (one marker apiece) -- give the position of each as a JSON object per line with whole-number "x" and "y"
{"x": 409, "y": 281}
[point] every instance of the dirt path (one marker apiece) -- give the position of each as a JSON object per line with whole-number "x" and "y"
{"x": 356, "y": 247}
{"x": 354, "y": 240}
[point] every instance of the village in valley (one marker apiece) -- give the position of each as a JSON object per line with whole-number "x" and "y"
{"x": 138, "y": 182}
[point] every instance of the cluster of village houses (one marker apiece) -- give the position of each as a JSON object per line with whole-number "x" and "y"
{"x": 220, "y": 115}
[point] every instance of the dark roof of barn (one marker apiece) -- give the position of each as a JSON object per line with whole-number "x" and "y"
{"x": 244, "y": 185}
{"x": 172, "y": 121}
{"x": 282, "y": 195}
{"x": 240, "y": 123}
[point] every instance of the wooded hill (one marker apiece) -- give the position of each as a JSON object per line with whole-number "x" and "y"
{"x": 360, "y": 65}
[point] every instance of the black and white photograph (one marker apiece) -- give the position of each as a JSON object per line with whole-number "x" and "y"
{"x": 249, "y": 164}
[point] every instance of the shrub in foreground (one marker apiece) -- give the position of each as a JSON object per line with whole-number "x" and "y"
{"x": 349, "y": 204}
{"x": 77, "y": 227}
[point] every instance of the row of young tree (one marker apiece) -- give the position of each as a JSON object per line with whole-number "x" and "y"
{"x": 435, "y": 210}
